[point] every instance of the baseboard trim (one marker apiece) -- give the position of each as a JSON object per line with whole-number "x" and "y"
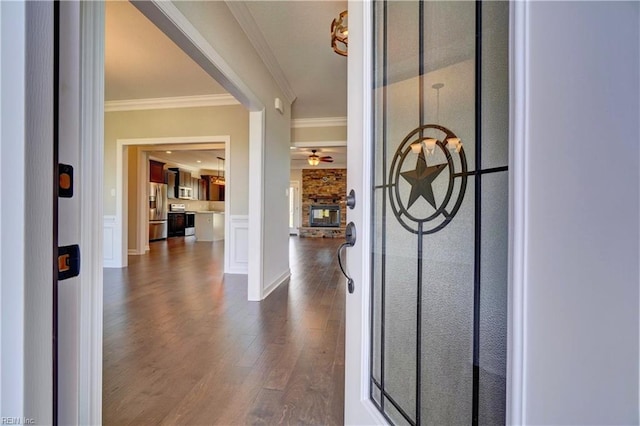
{"x": 236, "y": 271}
{"x": 276, "y": 283}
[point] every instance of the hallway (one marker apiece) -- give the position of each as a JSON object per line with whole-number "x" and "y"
{"x": 182, "y": 345}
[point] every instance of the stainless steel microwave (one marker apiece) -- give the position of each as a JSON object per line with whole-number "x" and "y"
{"x": 185, "y": 193}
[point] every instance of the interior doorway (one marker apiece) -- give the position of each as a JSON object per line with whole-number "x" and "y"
{"x": 294, "y": 207}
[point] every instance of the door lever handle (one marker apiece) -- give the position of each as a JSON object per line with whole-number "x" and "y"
{"x": 350, "y": 236}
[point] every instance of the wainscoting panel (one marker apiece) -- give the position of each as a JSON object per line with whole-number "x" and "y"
{"x": 238, "y": 245}
{"x": 110, "y": 247}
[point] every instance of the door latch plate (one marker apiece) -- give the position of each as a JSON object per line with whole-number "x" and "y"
{"x": 65, "y": 180}
{"x": 68, "y": 262}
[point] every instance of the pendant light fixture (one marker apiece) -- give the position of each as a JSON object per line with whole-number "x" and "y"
{"x": 429, "y": 144}
{"x": 219, "y": 180}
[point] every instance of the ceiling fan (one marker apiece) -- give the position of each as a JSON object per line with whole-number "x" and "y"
{"x": 314, "y": 159}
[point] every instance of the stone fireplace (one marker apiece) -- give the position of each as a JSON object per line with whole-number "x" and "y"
{"x": 323, "y": 215}
{"x": 324, "y": 193}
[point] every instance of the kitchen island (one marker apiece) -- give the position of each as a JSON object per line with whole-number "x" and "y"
{"x": 209, "y": 226}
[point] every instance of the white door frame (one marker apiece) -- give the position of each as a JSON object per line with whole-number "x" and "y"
{"x": 121, "y": 228}
{"x": 295, "y": 184}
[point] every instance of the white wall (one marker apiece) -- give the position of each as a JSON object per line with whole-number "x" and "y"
{"x": 202, "y": 121}
{"x": 318, "y": 134}
{"x": 581, "y": 213}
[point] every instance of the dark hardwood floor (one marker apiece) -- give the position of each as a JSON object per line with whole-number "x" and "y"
{"x": 182, "y": 345}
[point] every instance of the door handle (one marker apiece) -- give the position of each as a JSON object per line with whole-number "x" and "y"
{"x": 350, "y": 237}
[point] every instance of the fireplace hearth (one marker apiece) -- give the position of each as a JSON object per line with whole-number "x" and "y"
{"x": 323, "y": 216}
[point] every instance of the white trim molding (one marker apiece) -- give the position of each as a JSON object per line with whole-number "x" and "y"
{"x": 237, "y": 260}
{"x": 245, "y": 19}
{"x": 516, "y": 345}
{"x": 318, "y": 144}
{"x": 92, "y": 18}
{"x": 224, "y": 99}
{"x": 301, "y": 123}
{"x": 276, "y": 283}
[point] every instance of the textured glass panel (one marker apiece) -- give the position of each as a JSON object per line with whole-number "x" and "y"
{"x": 402, "y": 41}
{"x": 402, "y": 102}
{"x": 493, "y": 298}
{"x": 395, "y": 415}
{"x": 449, "y": 60}
{"x": 401, "y": 314}
{"x": 448, "y": 319}
{"x": 495, "y": 84}
{"x": 403, "y": 97}
{"x": 375, "y": 393}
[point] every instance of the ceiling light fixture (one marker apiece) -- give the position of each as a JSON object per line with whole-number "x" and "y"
{"x": 313, "y": 159}
{"x": 168, "y": 152}
{"x": 340, "y": 34}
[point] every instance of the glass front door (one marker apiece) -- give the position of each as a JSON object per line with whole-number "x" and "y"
{"x": 440, "y": 212}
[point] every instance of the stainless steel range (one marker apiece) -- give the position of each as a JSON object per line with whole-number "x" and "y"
{"x": 181, "y": 222}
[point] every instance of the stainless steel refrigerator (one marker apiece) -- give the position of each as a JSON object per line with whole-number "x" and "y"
{"x": 158, "y": 206}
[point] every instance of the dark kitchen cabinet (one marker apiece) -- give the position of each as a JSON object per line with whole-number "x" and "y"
{"x": 156, "y": 171}
{"x": 202, "y": 191}
{"x": 172, "y": 191}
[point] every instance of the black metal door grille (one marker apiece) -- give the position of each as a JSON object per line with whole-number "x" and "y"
{"x": 439, "y": 246}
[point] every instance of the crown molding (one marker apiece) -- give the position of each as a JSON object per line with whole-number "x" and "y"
{"x": 174, "y": 102}
{"x": 245, "y": 19}
{"x": 318, "y": 144}
{"x": 300, "y": 123}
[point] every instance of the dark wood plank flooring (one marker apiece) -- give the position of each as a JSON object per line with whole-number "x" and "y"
{"x": 182, "y": 345}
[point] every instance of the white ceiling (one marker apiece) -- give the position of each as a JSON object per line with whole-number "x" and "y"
{"x": 204, "y": 159}
{"x": 141, "y": 63}
{"x": 298, "y": 33}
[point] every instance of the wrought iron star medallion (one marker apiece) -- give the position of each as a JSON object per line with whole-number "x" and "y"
{"x": 421, "y": 180}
